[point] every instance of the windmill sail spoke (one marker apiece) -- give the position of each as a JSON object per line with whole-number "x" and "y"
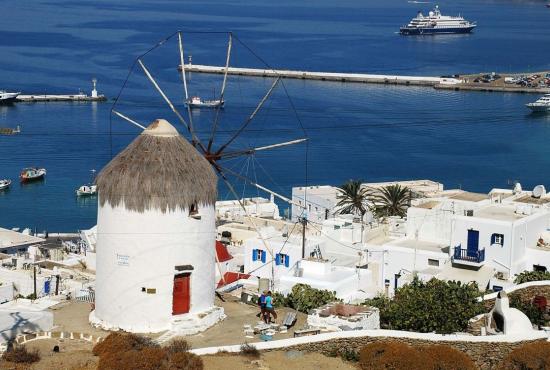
{"x": 129, "y": 119}
{"x": 189, "y": 115}
{"x": 167, "y": 100}
{"x": 250, "y": 118}
{"x": 215, "y": 125}
{"x": 263, "y": 188}
{"x": 251, "y": 219}
{"x": 260, "y": 148}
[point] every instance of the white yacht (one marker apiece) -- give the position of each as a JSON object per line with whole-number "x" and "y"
{"x": 436, "y": 23}
{"x": 8, "y": 97}
{"x": 541, "y": 105}
{"x": 197, "y": 102}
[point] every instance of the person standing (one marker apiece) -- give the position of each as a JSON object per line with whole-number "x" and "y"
{"x": 261, "y": 305}
{"x": 269, "y": 310}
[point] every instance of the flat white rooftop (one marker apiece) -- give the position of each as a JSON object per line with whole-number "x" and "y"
{"x": 418, "y": 245}
{"x": 10, "y": 238}
{"x": 499, "y": 213}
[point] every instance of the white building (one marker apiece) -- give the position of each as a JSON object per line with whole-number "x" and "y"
{"x": 257, "y": 207}
{"x": 156, "y": 236}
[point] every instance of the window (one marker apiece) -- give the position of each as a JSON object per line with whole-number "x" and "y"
{"x": 282, "y": 259}
{"x": 259, "y": 255}
{"x": 497, "y": 239}
{"x": 497, "y": 288}
{"x": 433, "y": 262}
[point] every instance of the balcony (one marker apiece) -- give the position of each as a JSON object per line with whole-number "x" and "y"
{"x": 470, "y": 258}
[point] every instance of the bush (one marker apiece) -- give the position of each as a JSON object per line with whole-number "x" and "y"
{"x": 400, "y": 356}
{"x": 535, "y": 315}
{"x": 121, "y": 351}
{"x": 303, "y": 298}
{"x": 527, "y": 276}
{"x": 446, "y": 357}
{"x": 531, "y": 356}
{"x": 21, "y": 355}
{"x": 249, "y": 350}
{"x": 433, "y": 306}
{"x": 392, "y": 355}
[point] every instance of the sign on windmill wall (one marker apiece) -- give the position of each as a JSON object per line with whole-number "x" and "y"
{"x": 123, "y": 259}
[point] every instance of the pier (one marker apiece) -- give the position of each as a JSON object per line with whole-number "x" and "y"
{"x": 59, "y": 98}
{"x": 456, "y": 83}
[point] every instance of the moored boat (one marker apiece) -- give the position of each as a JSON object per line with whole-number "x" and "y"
{"x": 435, "y": 23}
{"x": 541, "y": 105}
{"x": 86, "y": 190}
{"x": 32, "y": 174}
{"x": 4, "y": 184}
{"x": 8, "y": 97}
{"x": 197, "y": 102}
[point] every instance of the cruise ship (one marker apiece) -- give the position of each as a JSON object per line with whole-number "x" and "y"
{"x": 435, "y": 23}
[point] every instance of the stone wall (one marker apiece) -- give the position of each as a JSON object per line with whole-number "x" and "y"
{"x": 487, "y": 355}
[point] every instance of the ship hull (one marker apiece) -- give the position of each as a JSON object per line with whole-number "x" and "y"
{"x": 9, "y": 100}
{"x": 413, "y": 31}
{"x": 539, "y": 108}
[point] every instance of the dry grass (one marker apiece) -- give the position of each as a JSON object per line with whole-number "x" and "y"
{"x": 531, "y": 356}
{"x": 156, "y": 172}
{"x": 133, "y": 352}
{"x": 396, "y": 355}
{"x": 20, "y": 355}
{"x": 249, "y": 350}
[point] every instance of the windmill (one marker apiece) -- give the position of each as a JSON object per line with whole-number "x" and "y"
{"x": 216, "y": 153}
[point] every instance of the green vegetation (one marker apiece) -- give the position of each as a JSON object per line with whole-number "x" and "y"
{"x": 434, "y": 306}
{"x": 304, "y": 298}
{"x": 352, "y": 199}
{"x": 535, "y": 315}
{"x": 391, "y": 200}
{"x": 527, "y": 276}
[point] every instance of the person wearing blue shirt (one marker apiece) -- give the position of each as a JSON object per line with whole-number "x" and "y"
{"x": 269, "y": 310}
{"x": 261, "y": 305}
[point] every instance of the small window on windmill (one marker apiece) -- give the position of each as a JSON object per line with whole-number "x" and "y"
{"x": 194, "y": 211}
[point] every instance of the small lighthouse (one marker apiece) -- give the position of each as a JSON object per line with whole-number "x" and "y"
{"x": 156, "y": 237}
{"x": 94, "y": 89}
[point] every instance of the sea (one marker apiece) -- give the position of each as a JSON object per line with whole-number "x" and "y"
{"x": 470, "y": 140}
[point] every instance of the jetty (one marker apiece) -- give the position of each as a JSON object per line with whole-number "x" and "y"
{"x": 454, "y": 82}
{"x": 80, "y": 97}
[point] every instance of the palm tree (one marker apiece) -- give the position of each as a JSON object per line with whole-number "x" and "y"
{"x": 391, "y": 200}
{"x": 352, "y": 199}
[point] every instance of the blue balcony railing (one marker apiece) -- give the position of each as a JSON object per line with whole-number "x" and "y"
{"x": 470, "y": 256}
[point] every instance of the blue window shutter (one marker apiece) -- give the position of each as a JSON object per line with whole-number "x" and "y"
{"x": 278, "y": 259}
{"x": 493, "y": 238}
{"x": 287, "y": 261}
{"x": 264, "y": 255}
{"x": 254, "y": 254}
{"x": 502, "y": 240}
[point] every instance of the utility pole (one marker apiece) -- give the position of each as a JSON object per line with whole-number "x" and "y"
{"x": 34, "y": 278}
{"x": 304, "y": 225}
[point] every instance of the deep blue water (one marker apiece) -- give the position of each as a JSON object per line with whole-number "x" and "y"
{"x": 473, "y": 140}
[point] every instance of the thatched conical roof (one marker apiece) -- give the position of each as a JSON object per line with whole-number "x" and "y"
{"x": 158, "y": 170}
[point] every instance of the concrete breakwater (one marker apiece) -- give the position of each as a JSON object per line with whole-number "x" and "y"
{"x": 444, "y": 83}
{"x": 323, "y": 76}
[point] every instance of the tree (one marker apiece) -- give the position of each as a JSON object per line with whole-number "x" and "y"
{"x": 352, "y": 199}
{"x": 391, "y": 200}
{"x": 441, "y": 306}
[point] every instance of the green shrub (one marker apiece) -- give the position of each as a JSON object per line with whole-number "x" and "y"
{"x": 527, "y": 276}
{"x": 303, "y": 298}
{"x": 535, "y": 315}
{"x": 434, "y": 306}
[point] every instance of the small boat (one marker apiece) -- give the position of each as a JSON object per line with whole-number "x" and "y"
{"x": 197, "y": 102}
{"x": 541, "y": 105}
{"x": 32, "y": 174}
{"x": 4, "y": 184}
{"x": 86, "y": 190}
{"x": 435, "y": 23}
{"x": 10, "y": 131}
{"x": 90, "y": 189}
{"x": 8, "y": 97}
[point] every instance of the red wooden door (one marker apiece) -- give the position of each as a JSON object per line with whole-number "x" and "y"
{"x": 181, "y": 295}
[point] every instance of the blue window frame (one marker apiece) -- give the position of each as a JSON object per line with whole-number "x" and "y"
{"x": 282, "y": 259}
{"x": 259, "y": 255}
{"x": 497, "y": 239}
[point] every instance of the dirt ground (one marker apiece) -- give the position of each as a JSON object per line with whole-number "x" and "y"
{"x": 231, "y": 330}
{"x": 288, "y": 360}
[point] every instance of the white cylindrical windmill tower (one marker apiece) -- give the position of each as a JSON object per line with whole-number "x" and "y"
{"x": 156, "y": 237}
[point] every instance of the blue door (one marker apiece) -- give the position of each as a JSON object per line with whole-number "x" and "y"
{"x": 473, "y": 243}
